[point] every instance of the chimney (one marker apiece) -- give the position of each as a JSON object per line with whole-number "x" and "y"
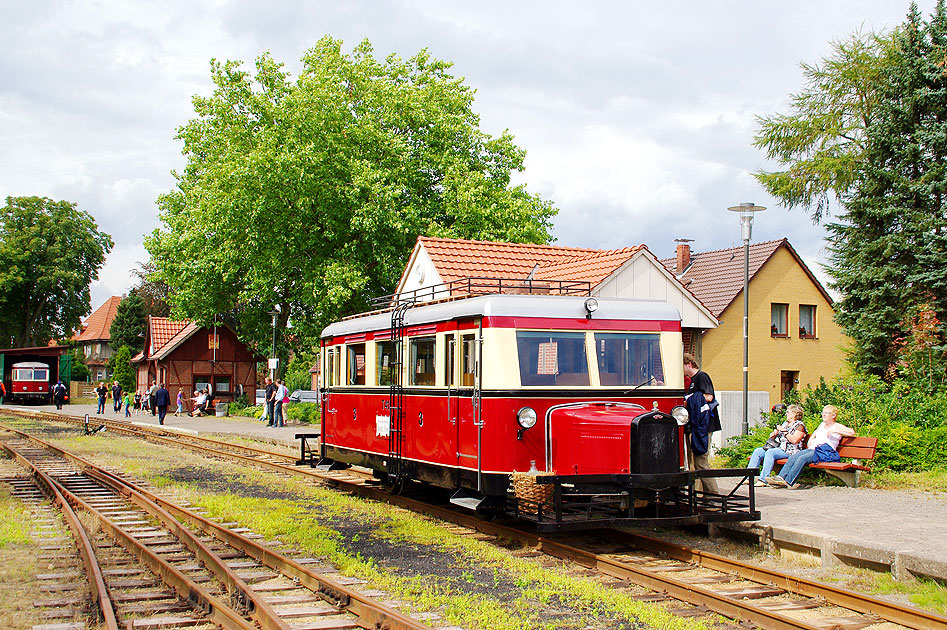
{"x": 683, "y": 253}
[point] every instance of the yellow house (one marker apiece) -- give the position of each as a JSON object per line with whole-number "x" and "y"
{"x": 793, "y": 338}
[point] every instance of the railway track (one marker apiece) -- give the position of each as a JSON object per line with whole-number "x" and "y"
{"x": 707, "y": 582}
{"x": 155, "y": 558}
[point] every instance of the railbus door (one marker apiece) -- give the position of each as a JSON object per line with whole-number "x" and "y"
{"x": 468, "y": 406}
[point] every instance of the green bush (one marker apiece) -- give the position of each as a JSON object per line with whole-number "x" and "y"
{"x": 307, "y": 413}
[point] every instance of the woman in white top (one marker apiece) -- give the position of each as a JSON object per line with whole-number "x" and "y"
{"x": 829, "y": 432}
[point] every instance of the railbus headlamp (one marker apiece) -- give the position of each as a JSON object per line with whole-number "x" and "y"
{"x": 526, "y": 417}
{"x": 680, "y": 414}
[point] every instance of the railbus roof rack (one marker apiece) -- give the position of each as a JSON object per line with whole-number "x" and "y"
{"x": 475, "y": 286}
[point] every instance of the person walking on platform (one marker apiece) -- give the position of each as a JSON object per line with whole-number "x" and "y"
{"x": 151, "y": 397}
{"x": 59, "y": 394}
{"x": 116, "y": 397}
{"x": 270, "y": 399}
{"x": 162, "y": 400}
{"x": 180, "y": 402}
{"x": 129, "y": 401}
{"x": 279, "y": 403}
{"x": 704, "y": 419}
{"x": 101, "y": 391}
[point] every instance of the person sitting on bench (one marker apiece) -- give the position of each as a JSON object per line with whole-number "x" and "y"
{"x": 200, "y": 404}
{"x": 822, "y": 446}
{"x": 785, "y": 440}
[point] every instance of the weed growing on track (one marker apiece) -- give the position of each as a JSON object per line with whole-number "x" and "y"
{"x": 18, "y": 561}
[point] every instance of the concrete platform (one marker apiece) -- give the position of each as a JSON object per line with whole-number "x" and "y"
{"x": 206, "y": 425}
{"x": 888, "y": 530}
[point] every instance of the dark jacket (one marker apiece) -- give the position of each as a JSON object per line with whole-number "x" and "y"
{"x": 162, "y": 397}
{"x": 703, "y": 417}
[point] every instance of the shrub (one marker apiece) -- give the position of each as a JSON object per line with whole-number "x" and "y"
{"x": 307, "y": 413}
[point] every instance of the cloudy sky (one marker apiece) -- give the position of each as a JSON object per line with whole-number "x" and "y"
{"x": 637, "y": 118}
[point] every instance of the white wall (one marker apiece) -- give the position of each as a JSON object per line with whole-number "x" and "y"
{"x": 731, "y": 413}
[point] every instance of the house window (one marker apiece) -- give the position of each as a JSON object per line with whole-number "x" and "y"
{"x": 222, "y": 384}
{"x": 806, "y": 321}
{"x": 779, "y": 320}
{"x": 213, "y": 341}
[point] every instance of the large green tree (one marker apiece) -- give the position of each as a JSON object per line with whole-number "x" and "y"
{"x": 309, "y": 194}
{"x": 889, "y": 245}
{"x": 820, "y": 143}
{"x": 50, "y": 252}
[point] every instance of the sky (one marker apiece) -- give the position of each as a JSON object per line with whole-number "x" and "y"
{"x": 637, "y": 118}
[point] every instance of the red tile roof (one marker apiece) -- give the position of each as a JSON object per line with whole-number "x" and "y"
{"x": 166, "y": 334}
{"x": 591, "y": 268}
{"x": 456, "y": 259}
{"x": 99, "y": 323}
{"x": 716, "y": 277}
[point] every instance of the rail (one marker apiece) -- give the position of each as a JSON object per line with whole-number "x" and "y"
{"x": 473, "y": 286}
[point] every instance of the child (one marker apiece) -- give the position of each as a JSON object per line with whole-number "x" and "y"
{"x": 137, "y": 403}
{"x": 128, "y": 403}
{"x": 180, "y": 402}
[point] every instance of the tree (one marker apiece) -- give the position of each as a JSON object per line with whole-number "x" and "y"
{"x": 822, "y": 140}
{"x": 129, "y": 323}
{"x": 309, "y": 195}
{"x": 122, "y": 370}
{"x": 153, "y": 293}
{"x": 889, "y": 245}
{"x": 50, "y": 252}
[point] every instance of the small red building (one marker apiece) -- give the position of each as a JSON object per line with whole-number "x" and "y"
{"x": 186, "y": 356}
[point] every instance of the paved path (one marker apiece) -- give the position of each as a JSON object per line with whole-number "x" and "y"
{"x": 204, "y": 425}
{"x": 903, "y": 530}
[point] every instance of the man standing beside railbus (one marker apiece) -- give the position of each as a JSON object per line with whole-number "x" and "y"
{"x": 705, "y": 419}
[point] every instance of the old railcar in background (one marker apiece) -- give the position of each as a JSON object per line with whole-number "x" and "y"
{"x": 470, "y": 392}
{"x": 31, "y": 381}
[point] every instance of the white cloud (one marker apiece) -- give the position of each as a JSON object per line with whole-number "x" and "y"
{"x": 637, "y": 118}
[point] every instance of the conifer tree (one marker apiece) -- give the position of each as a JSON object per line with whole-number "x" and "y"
{"x": 888, "y": 247}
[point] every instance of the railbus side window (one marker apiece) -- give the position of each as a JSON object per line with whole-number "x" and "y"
{"x": 422, "y": 361}
{"x": 629, "y": 359}
{"x": 449, "y": 360}
{"x": 40, "y": 375}
{"x": 552, "y": 358}
{"x": 355, "y": 362}
{"x": 384, "y": 362}
{"x": 331, "y": 360}
{"x": 468, "y": 365}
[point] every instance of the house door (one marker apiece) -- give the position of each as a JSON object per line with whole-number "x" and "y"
{"x": 787, "y": 381}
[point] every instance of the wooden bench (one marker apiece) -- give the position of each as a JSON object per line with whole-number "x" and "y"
{"x": 858, "y": 449}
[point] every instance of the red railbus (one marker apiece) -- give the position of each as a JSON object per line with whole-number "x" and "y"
{"x": 465, "y": 393}
{"x": 30, "y": 382}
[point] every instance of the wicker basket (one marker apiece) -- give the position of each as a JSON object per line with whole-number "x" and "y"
{"x": 530, "y": 494}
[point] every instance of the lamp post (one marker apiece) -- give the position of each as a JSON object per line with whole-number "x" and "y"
{"x": 746, "y": 211}
{"x": 274, "y": 313}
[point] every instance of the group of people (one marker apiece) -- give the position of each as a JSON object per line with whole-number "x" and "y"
{"x": 789, "y": 440}
{"x": 277, "y": 397}
{"x": 156, "y": 399}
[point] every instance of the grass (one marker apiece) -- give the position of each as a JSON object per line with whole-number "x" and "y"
{"x": 927, "y": 481}
{"x": 924, "y": 593}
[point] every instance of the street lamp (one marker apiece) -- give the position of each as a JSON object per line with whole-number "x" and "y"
{"x": 746, "y": 211}
{"x": 274, "y": 313}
